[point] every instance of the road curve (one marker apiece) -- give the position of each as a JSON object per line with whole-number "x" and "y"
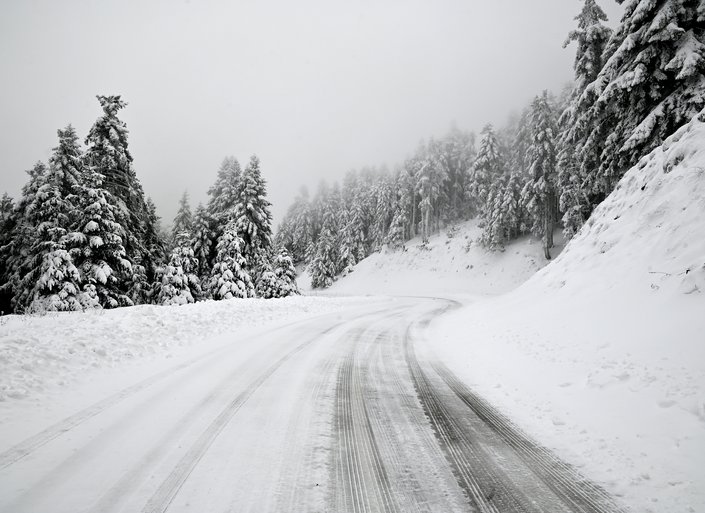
{"x": 340, "y": 413}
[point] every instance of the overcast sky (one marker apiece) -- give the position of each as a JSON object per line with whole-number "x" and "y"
{"x": 313, "y": 87}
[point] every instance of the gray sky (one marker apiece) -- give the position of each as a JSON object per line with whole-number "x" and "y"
{"x": 313, "y": 87}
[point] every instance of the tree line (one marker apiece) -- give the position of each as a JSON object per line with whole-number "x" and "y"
{"x": 549, "y": 166}
{"x": 84, "y": 235}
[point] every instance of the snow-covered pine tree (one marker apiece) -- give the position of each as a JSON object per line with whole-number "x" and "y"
{"x": 229, "y": 276}
{"x": 145, "y": 274}
{"x": 58, "y": 288}
{"x": 96, "y": 244}
{"x": 296, "y": 230}
{"x": 107, "y": 153}
{"x": 183, "y": 222}
{"x": 179, "y": 282}
{"x": 281, "y": 280}
{"x": 224, "y": 193}
{"x": 325, "y": 261}
{"x": 591, "y": 38}
{"x": 431, "y": 178}
{"x": 487, "y": 168}
{"x": 502, "y": 215}
{"x": 203, "y": 242}
{"x": 406, "y": 203}
{"x": 539, "y": 193}
{"x": 7, "y": 228}
{"x": 459, "y": 154}
{"x": 384, "y": 210}
{"x": 652, "y": 83}
{"x": 21, "y": 236}
{"x": 48, "y": 216}
{"x": 253, "y": 219}
{"x": 285, "y": 272}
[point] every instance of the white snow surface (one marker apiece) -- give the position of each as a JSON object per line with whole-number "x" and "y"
{"x": 453, "y": 262}
{"x": 42, "y": 354}
{"x": 601, "y": 355}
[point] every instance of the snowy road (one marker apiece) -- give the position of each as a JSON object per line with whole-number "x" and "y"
{"x": 340, "y": 413}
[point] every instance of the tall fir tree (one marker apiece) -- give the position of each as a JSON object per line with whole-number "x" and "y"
{"x": 203, "y": 241}
{"x": 487, "y": 167}
{"x": 253, "y": 219}
{"x": 108, "y": 154}
{"x": 591, "y": 37}
{"x": 224, "y": 193}
{"x": 539, "y": 193}
{"x": 183, "y": 222}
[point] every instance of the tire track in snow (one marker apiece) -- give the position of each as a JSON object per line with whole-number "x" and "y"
{"x": 362, "y": 484}
{"x": 581, "y": 494}
{"x": 164, "y": 495}
{"x": 479, "y": 443}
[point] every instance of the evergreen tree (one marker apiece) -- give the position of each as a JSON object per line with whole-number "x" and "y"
{"x": 281, "y": 281}
{"x": 591, "y": 38}
{"x": 384, "y": 211}
{"x": 431, "y": 178}
{"x": 487, "y": 167}
{"x": 145, "y": 275}
{"x": 285, "y": 272}
{"x": 224, "y": 193}
{"x": 7, "y": 228}
{"x": 58, "y": 286}
{"x": 22, "y": 235}
{"x": 96, "y": 245}
{"x": 652, "y": 83}
{"x": 538, "y": 194}
{"x": 324, "y": 264}
{"x": 203, "y": 241}
{"x": 296, "y": 231}
{"x": 183, "y": 222}
{"x": 179, "y": 281}
{"x": 108, "y": 154}
{"x": 253, "y": 219}
{"x": 179, "y": 284}
{"x": 229, "y": 276}
{"x": 47, "y": 217}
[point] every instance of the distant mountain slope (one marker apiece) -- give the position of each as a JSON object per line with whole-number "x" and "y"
{"x": 452, "y": 262}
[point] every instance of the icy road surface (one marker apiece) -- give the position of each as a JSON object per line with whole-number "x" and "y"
{"x": 341, "y": 413}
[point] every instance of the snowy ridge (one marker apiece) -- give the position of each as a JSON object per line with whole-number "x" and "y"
{"x": 453, "y": 262}
{"x": 600, "y": 355}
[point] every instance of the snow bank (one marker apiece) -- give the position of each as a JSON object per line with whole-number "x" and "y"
{"x": 601, "y": 355}
{"x": 453, "y": 262}
{"x": 40, "y": 352}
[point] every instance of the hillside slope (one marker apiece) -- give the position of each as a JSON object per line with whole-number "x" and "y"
{"x": 601, "y": 355}
{"x": 452, "y": 263}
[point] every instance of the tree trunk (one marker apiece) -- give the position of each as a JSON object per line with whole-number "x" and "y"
{"x": 548, "y": 229}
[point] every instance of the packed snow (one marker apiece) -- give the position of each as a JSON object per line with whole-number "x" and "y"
{"x": 600, "y": 356}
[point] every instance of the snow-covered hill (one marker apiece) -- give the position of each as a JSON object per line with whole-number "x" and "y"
{"x": 452, "y": 263}
{"x": 601, "y": 355}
